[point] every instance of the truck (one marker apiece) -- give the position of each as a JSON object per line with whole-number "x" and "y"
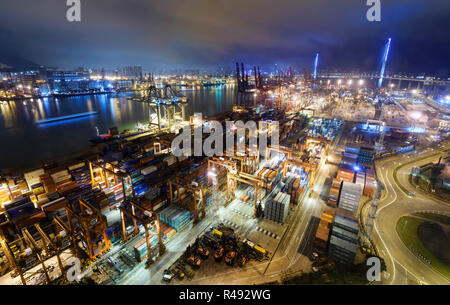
{"x": 188, "y": 272}
{"x": 242, "y": 258}
{"x": 230, "y": 257}
{"x": 113, "y": 262}
{"x": 194, "y": 260}
{"x": 202, "y": 251}
{"x": 218, "y": 254}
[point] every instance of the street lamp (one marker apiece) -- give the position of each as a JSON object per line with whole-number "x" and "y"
{"x": 212, "y": 174}
{"x": 416, "y": 115}
{"x": 361, "y": 82}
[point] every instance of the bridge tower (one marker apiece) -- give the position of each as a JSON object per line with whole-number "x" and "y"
{"x": 316, "y": 61}
{"x": 383, "y": 62}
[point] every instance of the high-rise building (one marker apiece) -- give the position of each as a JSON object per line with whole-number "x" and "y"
{"x": 131, "y": 72}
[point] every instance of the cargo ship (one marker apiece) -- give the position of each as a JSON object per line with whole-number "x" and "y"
{"x": 113, "y": 134}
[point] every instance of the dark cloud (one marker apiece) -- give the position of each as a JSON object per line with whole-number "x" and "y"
{"x": 207, "y": 33}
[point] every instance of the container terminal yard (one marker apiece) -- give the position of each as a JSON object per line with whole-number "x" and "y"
{"x": 128, "y": 211}
{"x": 290, "y": 162}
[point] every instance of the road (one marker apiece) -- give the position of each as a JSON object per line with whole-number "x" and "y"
{"x": 403, "y": 267}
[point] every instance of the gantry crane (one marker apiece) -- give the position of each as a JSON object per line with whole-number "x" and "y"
{"x": 31, "y": 243}
{"x": 120, "y": 177}
{"x": 242, "y": 79}
{"x": 61, "y": 238}
{"x": 163, "y": 103}
{"x": 279, "y": 149}
{"x": 15, "y": 265}
{"x": 232, "y": 181}
{"x": 157, "y": 146}
{"x": 147, "y": 218}
{"x": 248, "y": 161}
{"x": 92, "y": 224}
{"x": 306, "y": 166}
{"x": 221, "y": 162}
{"x": 196, "y": 191}
{"x": 51, "y": 247}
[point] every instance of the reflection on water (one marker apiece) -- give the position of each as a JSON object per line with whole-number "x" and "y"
{"x": 25, "y": 143}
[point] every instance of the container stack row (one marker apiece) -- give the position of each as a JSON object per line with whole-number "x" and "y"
{"x": 343, "y": 241}
{"x": 139, "y": 185}
{"x": 360, "y": 178}
{"x": 370, "y": 184}
{"x": 140, "y": 249}
{"x": 277, "y": 208}
{"x": 293, "y": 187}
{"x": 167, "y": 232}
{"x": 335, "y": 189}
{"x": 324, "y": 128}
{"x": 350, "y": 196}
{"x": 80, "y": 173}
{"x": 323, "y": 230}
{"x": 174, "y": 216}
{"x": 365, "y": 156}
{"x": 345, "y": 174}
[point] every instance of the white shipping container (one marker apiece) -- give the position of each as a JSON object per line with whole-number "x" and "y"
{"x": 148, "y": 170}
{"x": 170, "y": 160}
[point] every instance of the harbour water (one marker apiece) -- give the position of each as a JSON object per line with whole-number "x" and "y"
{"x": 25, "y": 143}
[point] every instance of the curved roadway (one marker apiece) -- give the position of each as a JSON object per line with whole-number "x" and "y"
{"x": 403, "y": 267}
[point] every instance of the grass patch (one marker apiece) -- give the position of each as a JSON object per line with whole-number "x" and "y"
{"x": 436, "y": 217}
{"x": 407, "y": 230}
{"x": 338, "y": 274}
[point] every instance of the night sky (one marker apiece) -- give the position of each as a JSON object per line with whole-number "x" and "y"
{"x": 215, "y": 33}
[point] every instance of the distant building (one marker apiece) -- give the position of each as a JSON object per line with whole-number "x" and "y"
{"x": 73, "y": 82}
{"x": 134, "y": 72}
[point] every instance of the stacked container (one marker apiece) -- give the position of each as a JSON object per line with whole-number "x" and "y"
{"x": 335, "y": 189}
{"x": 277, "y": 208}
{"x": 369, "y": 187}
{"x": 360, "y": 178}
{"x": 32, "y": 177}
{"x": 140, "y": 249}
{"x": 140, "y": 187}
{"x": 365, "y": 156}
{"x": 350, "y": 196}
{"x": 167, "y": 232}
{"x": 80, "y": 173}
{"x": 174, "y": 216}
{"x": 345, "y": 174}
{"x": 352, "y": 148}
{"x": 344, "y": 236}
{"x": 323, "y": 230}
{"x": 292, "y": 187}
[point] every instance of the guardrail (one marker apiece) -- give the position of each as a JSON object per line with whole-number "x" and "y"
{"x": 407, "y": 163}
